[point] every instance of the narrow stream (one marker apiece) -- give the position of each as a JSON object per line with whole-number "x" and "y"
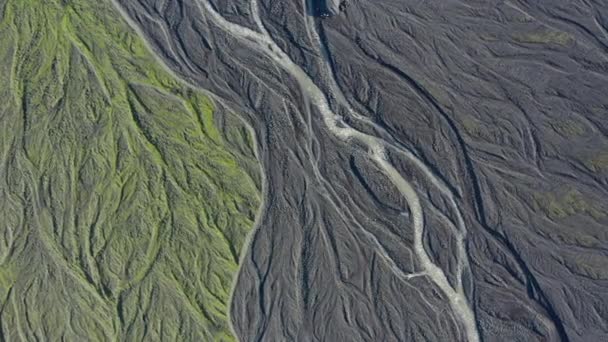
{"x": 377, "y": 149}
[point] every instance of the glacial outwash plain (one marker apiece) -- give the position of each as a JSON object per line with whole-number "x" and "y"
{"x": 123, "y": 204}
{"x": 304, "y": 170}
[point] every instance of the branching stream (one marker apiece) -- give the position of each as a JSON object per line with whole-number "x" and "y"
{"x": 377, "y": 149}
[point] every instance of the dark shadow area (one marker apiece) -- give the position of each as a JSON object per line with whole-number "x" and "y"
{"x": 326, "y": 8}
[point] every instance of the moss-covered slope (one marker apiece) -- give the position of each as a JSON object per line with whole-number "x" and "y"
{"x": 122, "y": 207}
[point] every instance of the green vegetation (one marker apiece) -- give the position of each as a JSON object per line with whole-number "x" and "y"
{"x": 568, "y": 128}
{"x": 471, "y": 125}
{"x": 598, "y": 162}
{"x": 123, "y": 209}
{"x": 545, "y": 36}
{"x": 565, "y": 203}
{"x": 590, "y": 266}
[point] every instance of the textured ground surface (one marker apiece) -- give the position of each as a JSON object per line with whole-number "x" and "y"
{"x": 122, "y": 207}
{"x": 502, "y": 102}
{"x": 431, "y": 170}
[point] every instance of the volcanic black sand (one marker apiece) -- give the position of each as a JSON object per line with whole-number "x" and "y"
{"x": 496, "y": 114}
{"x": 431, "y": 170}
